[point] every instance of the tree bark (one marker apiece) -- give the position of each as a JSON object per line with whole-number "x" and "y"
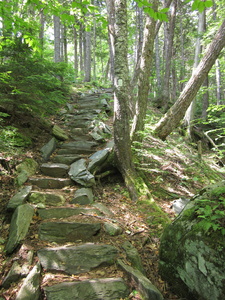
{"x": 169, "y": 35}
{"x": 111, "y": 34}
{"x": 190, "y": 113}
{"x": 143, "y": 79}
{"x": 175, "y": 114}
{"x": 57, "y": 41}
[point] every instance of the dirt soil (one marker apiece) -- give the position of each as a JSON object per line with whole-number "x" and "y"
{"x": 110, "y": 191}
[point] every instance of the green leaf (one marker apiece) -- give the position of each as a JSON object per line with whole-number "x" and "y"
{"x": 209, "y": 3}
{"x": 164, "y": 10}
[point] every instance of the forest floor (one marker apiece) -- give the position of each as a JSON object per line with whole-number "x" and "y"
{"x": 173, "y": 169}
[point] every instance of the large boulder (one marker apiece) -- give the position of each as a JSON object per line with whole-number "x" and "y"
{"x": 192, "y": 247}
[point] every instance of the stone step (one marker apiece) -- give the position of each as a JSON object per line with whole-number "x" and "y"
{"x": 79, "y": 144}
{"x": 78, "y": 124}
{"x": 66, "y": 159}
{"x": 65, "y": 212}
{"x": 77, "y": 259}
{"x": 46, "y": 198}
{"x": 95, "y": 289}
{"x": 63, "y": 232}
{"x": 50, "y": 183}
{"x": 55, "y": 169}
{"x": 72, "y": 151}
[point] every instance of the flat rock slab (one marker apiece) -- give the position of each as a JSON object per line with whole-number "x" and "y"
{"x": 30, "y": 288}
{"x": 72, "y": 151}
{"x": 50, "y": 183}
{"x": 79, "y": 144}
{"x": 97, "y": 159}
{"x": 48, "y": 149}
{"x": 66, "y": 159}
{"x": 95, "y": 289}
{"x": 19, "y": 198}
{"x": 144, "y": 285}
{"x": 46, "y": 198}
{"x": 79, "y": 173}
{"x": 54, "y": 169}
{"x": 62, "y": 232}
{"x": 65, "y": 212}
{"x": 83, "y": 196}
{"x": 77, "y": 259}
{"x": 19, "y": 226}
{"x": 59, "y": 133}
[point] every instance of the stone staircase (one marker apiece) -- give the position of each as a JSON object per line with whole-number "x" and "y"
{"x": 61, "y": 236}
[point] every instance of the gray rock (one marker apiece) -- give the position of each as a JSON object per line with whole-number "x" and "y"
{"x": 86, "y": 145}
{"x": 112, "y": 229}
{"x": 79, "y": 173}
{"x": 79, "y": 131}
{"x": 179, "y": 204}
{"x": 48, "y": 149}
{"x": 19, "y": 226}
{"x": 50, "y": 183}
{"x": 95, "y": 289}
{"x": 102, "y": 208}
{"x": 62, "y": 232}
{"x": 84, "y": 257}
{"x": 71, "y": 151}
{"x": 15, "y": 274}
{"x": 65, "y": 212}
{"x": 83, "y": 196}
{"x": 66, "y": 159}
{"x": 25, "y": 169}
{"x": 133, "y": 256}
{"x": 54, "y": 169}
{"x": 19, "y": 198}
{"x": 30, "y": 288}
{"x": 97, "y": 160}
{"x": 191, "y": 253}
{"x": 142, "y": 283}
{"x": 59, "y": 133}
{"x": 46, "y": 198}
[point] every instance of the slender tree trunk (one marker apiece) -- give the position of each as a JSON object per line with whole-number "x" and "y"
{"x": 41, "y": 32}
{"x": 172, "y": 118}
{"x": 219, "y": 96}
{"x": 143, "y": 80}
{"x": 157, "y": 65}
{"x": 111, "y": 34}
{"x": 75, "y": 52}
{"x": 57, "y": 41}
{"x": 169, "y": 35}
{"x": 205, "y": 99}
{"x": 87, "y": 77}
{"x": 189, "y": 115}
{"x": 81, "y": 32}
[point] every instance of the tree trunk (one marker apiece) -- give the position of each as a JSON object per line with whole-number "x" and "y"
{"x": 75, "y": 53}
{"x": 172, "y": 118}
{"x": 57, "y": 41}
{"x": 169, "y": 35}
{"x": 219, "y": 92}
{"x": 121, "y": 112}
{"x": 189, "y": 115}
{"x": 111, "y": 34}
{"x": 87, "y": 77}
{"x": 143, "y": 80}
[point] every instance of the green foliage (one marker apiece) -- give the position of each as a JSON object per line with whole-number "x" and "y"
{"x": 200, "y": 5}
{"x": 157, "y": 15}
{"x": 211, "y": 211}
{"x": 10, "y": 137}
{"x": 28, "y": 81}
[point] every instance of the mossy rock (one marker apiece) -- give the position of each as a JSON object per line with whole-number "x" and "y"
{"x": 192, "y": 252}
